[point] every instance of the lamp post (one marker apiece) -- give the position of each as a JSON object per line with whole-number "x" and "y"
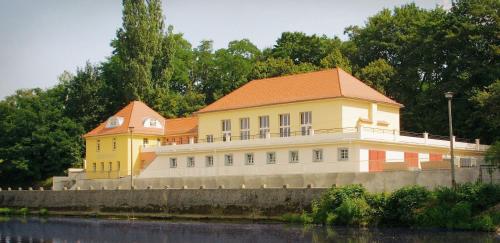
{"x": 131, "y": 129}
{"x": 449, "y": 96}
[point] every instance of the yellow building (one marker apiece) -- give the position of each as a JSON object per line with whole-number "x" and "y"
{"x": 319, "y": 122}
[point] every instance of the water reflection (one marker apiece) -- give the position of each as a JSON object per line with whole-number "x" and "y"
{"x": 104, "y": 230}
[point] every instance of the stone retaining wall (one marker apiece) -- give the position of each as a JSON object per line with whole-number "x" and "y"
{"x": 374, "y": 182}
{"x": 212, "y": 202}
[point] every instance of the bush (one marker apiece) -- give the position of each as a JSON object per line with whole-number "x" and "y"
{"x": 352, "y": 211}
{"x": 332, "y": 199}
{"x": 5, "y": 211}
{"x": 404, "y": 204}
{"x": 377, "y": 204}
{"x": 23, "y": 211}
{"x": 43, "y": 212}
{"x": 303, "y": 218}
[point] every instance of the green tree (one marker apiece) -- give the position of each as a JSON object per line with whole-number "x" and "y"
{"x": 302, "y": 48}
{"x": 274, "y": 67}
{"x": 336, "y": 59}
{"x": 232, "y": 66}
{"x": 85, "y": 97}
{"x": 378, "y": 74}
{"x": 38, "y": 141}
{"x": 138, "y": 43}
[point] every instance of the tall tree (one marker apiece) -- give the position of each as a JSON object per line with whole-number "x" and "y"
{"x": 85, "y": 97}
{"x": 136, "y": 46}
{"x": 301, "y": 48}
{"x": 378, "y": 74}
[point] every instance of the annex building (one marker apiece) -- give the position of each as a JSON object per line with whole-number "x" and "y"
{"x": 319, "y": 122}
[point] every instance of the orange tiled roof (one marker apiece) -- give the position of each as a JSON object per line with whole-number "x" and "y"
{"x": 134, "y": 115}
{"x": 178, "y": 126}
{"x": 324, "y": 84}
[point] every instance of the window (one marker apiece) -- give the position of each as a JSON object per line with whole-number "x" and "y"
{"x": 245, "y": 128}
{"x": 145, "y": 141}
{"x": 284, "y": 125}
{"x": 173, "y": 162}
{"x": 210, "y": 138}
{"x": 118, "y": 167}
{"x": 110, "y": 166}
{"x": 226, "y": 130}
{"x": 102, "y": 166}
{"x": 209, "y": 161}
{"x": 306, "y": 123}
{"x": 263, "y": 126}
{"x": 294, "y": 156}
{"x": 249, "y": 159}
{"x": 94, "y": 167}
{"x": 152, "y": 123}
{"x": 190, "y": 161}
{"x": 114, "y": 144}
{"x": 98, "y": 145}
{"x": 317, "y": 155}
{"x": 114, "y": 121}
{"x": 343, "y": 154}
{"x": 271, "y": 157}
{"x": 228, "y": 159}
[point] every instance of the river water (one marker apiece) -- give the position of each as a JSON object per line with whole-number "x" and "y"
{"x": 81, "y": 230}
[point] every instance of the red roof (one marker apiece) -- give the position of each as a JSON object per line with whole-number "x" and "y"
{"x": 179, "y": 126}
{"x": 133, "y": 115}
{"x": 332, "y": 83}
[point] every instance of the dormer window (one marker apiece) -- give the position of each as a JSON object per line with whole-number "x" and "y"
{"x": 114, "y": 121}
{"x": 152, "y": 123}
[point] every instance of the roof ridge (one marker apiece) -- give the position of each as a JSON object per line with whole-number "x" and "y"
{"x": 130, "y": 115}
{"x": 338, "y": 80}
{"x": 370, "y": 87}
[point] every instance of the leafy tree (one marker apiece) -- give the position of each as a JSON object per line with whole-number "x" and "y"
{"x": 136, "y": 46}
{"x": 336, "y": 59}
{"x": 302, "y": 48}
{"x": 232, "y": 67}
{"x": 378, "y": 74}
{"x": 274, "y": 67}
{"x": 85, "y": 97}
{"x": 38, "y": 141}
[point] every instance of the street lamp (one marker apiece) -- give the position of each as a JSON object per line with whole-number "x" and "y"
{"x": 449, "y": 96}
{"x": 131, "y": 129}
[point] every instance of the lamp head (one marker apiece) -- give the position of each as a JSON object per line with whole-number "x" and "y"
{"x": 448, "y": 95}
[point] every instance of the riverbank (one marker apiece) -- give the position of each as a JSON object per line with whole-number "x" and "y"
{"x": 467, "y": 207}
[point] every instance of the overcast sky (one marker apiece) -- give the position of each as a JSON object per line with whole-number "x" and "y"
{"x": 39, "y": 39}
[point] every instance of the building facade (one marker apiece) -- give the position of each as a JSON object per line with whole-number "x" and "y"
{"x": 319, "y": 122}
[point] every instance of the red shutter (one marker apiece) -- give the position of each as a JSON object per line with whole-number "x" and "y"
{"x": 411, "y": 159}
{"x": 376, "y": 160}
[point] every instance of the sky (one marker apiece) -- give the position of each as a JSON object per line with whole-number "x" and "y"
{"x": 40, "y": 39}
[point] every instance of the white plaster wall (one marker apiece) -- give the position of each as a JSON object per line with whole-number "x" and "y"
{"x": 423, "y": 157}
{"x": 395, "y": 156}
{"x": 160, "y": 167}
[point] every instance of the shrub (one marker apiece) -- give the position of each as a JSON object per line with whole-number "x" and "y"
{"x": 404, "y": 204}
{"x": 23, "y": 211}
{"x": 43, "y": 212}
{"x": 303, "y": 218}
{"x": 5, "y": 211}
{"x": 377, "y": 202}
{"x": 352, "y": 211}
{"x": 332, "y": 199}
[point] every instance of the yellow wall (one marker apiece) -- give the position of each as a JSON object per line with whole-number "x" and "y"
{"x": 326, "y": 114}
{"x": 121, "y": 154}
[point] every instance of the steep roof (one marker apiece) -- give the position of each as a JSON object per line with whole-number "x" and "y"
{"x": 331, "y": 83}
{"x": 132, "y": 115}
{"x": 178, "y": 126}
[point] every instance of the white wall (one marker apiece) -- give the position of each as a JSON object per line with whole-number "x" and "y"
{"x": 160, "y": 167}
